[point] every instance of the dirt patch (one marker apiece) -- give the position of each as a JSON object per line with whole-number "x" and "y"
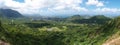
{"x": 113, "y": 42}
{"x": 3, "y": 43}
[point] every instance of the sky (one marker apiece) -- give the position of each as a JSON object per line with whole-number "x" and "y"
{"x": 63, "y": 7}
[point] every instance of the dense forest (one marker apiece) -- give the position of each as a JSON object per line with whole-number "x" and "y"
{"x": 73, "y": 30}
{"x": 68, "y": 31}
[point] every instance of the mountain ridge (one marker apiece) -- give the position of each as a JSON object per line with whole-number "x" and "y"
{"x": 9, "y": 13}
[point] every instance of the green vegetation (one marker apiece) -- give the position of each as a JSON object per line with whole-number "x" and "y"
{"x": 99, "y": 19}
{"x": 75, "y": 30}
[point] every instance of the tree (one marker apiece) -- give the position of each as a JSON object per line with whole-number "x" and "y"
{"x": 0, "y": 26}
{"x": 0, "y": 23}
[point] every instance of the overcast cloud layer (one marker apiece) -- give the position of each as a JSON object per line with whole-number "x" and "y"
{"x": 54, "y": 7}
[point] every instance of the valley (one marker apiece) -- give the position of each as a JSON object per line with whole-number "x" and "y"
{"x": 73, "y": 30}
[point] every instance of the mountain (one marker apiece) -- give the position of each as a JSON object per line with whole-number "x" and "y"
{"x": 9, "y": 13}
{"x": 111, "y": 32}
{"x": 75, "y": 17}
{"x": 111, "y": 26}
{"x": 99, "y": 19}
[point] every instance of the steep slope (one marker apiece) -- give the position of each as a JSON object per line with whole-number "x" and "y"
{"x": 111, "y": 26}
{"x": 112, "y": 31}
{"x": 9, "y": 13}
{"x": 113, "y": 41}
{"x": 1, "y": 34}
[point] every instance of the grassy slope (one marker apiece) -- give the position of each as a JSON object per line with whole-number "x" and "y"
{"x": 23, "y": 35}
{"x": 115, "y": 37}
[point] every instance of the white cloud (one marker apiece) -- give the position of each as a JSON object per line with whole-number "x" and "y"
{"x": 1, "y": 3}
{"x": 55, "y": 6}
{"x": 80, "y": 9}
{"x": 95, "y": 2}
{"x": 34, "y": 6}
{"x": 113, "y": 10}
{"x": 13, "y": 4}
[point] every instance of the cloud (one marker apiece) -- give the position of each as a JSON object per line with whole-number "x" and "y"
{"x": 35, "y": 6}
{"x": 113, "y": 10}
{"x": 95, "y": 2}
{"x": 1, "y": 3}
{"x": 57, "y": 7}
{"x": 13, "y": 4}
{"x": 107, "y": 11}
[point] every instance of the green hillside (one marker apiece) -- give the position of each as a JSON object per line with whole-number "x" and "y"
{"x": 57, "y": 33}
{"x": 99, "y": 19}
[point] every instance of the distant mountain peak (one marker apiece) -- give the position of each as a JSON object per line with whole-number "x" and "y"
{"x": 9, "y": 13}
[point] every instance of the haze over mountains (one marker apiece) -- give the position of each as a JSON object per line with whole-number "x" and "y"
{"x": 9, "y": 13}
{"x": 15, "y": 14}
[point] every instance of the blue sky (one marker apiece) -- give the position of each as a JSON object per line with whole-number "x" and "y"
{"x": 21, "y": 1}
{"x": 63, "y": 7}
